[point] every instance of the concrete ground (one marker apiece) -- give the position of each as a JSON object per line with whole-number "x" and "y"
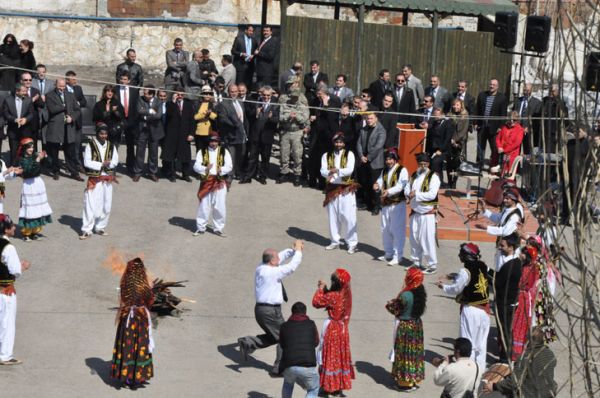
{"x": 66, "y": 318}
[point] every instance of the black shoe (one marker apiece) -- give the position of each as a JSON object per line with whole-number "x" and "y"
{"x": 172, "y": 178}
{"x": 281, "y": 179}
{"x": 262, "y": 180}
{"x": 186, "y": 178}
{"x": 76, "y": 177}
{"x": 275, "y": 375}
{"x": 297, "y": 182}
{"x": 375, "y": 212}
{"x": 245, "y": 180}
{"x": 243, "y": 348}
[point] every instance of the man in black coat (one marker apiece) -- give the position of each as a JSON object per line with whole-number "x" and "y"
{"x": 136, "y": 73}
{"x": 490, "y": 104}
{"x": 344, "y": 123}
{"x": 180, "y": 129}
{"x": 379, "y": 87}
{"x": 150, "y": 133}
{"x": 298, "y": 338}
{"x": 18, "y": 113}
{"x": 77, "y": 91}
{"x": 266, "y": 117}
{"x": 529, "y": 107}
{"x": 555, "y": 111}
{"x": 404, "y": 100}
{"x": 439, "y": 134}
{"x": 267, "y": 56}
{"x": 128, "y": 97}
{"x": 38, "y": 106}
{"x": 234, "y": 126}
{"x": 389, "y": 120}
{"x": 461, "y": 94}
{"x": 312, "y": 80}
{"x": 242, "y": 51}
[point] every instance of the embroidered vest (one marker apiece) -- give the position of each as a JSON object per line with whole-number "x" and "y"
{"x": 343, "y": 163}
{"x": 108, "y": 154}
{"x": 397, "y": 198}
{"x": 476, "y": 291}
{"x": 6, "y": 278}
{"x": 220, "y": 160}
{"x": 425, "y": 186}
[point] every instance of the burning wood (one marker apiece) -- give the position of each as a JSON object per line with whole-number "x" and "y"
{"x": 164, "y": 301}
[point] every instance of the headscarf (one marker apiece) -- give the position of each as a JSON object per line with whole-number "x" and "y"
{"x": 344, "y": 278}
{"x": 135, "y": 288}
{"x": 413, "y": 279}
{"x": 23, "y": 144}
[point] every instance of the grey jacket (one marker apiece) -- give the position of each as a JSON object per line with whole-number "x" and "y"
{"x": 373, "y": 149}
{"x": 414, "y": 83}
{"x": 57, "y": 125}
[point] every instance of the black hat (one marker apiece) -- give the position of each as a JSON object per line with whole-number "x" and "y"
{"x": 423, "y": 157}
{"x": 101, "y": 127}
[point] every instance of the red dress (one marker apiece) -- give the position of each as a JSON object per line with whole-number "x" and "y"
{"x": 510, "y": 139}
{"x": 336, "y": 372}
{"x": 526, "y": 306}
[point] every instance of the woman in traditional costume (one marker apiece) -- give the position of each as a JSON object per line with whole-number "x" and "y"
{"x": 408, "y": 354}
{"x": 132, "y": 353}
{"x": 35, "y": 212}
{"x": 334, "y": 358}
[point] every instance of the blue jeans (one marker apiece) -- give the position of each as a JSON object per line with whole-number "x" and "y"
{"x": 307, "y": 378}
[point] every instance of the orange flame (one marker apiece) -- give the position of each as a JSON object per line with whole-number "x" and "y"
{"x": 116, "y": 262}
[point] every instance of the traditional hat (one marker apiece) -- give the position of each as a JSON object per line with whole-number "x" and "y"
{"x": 512, "y": 193}
{"x": 470, "y": 251}
{"x": 26, "y": 141}
{"x": 135, "y": 289}
{"x": 338, "y": 137}
{"x": 343, "y": 276}
{"x": 214, "y": 136}
{"x": 101, "y": 127}
{"x": 206, "y": 89}
{"x": 532, "y": 252}
{"x": 391, "y": 153}
{"x": 422, "y": 157}
{"x": 413, "y": 279}
{"x": 5, "y": 222}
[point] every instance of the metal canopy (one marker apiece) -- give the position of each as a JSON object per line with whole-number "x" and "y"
{"x": 454, "y": 7}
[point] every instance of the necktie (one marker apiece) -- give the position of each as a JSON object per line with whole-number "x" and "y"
{"x": 524, "y": 107}
{"x": 180, "y": 105}
{"x": 337, "y": 92}
{"x": 42, "y": 87}
{"x": 62, "y": 97}
{"x": 126, "y": 101}
{"x": 285, "y": 297}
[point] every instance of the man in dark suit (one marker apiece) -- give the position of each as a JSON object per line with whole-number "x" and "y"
{"x": 312, "y": 80}
{"x": 262, "y": 135}
{"x": 179, "y": 133}
{"x": 267, "y": 56}
{"x": 18, "y": 113}
{"x": 233, "y": 127}
{"x": 370, "y": 148}
{"x": 63, "y": 112}
{"x": 128, "y": 97}
{"x": 440, "y": 94}
{"x": 177, "y": 60}
{"x": 461, "y": 94}
{"x": 404, "y": 100}
{"x": 38, "y": 106}
{"x": 150, "y": 132}
{"x": 490, "y": 103}
{"x": 77, "y": 91}
{"x": 427, "y": 112}
{"x": 529, "y": 107}
{"x": 340, "y": 89}
{"x": 389, "y": 120}
{"x": 242, "y": 51}
{"x": 344, "y": 123}
{"x": 438, "y": 139}
{"x": 554, "y": 110}
{"x": 379, "y": 87}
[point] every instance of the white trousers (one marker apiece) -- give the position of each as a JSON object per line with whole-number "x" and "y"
{"x": 97, "y": 204}
{"x": 422, "y": 239}
{"x": 393, "y": 230}
{"x": 8, "y": 317}
{"x": 342, "y": 218}
{"x": 475, "y": 326}
{"x": 214, "y": 201}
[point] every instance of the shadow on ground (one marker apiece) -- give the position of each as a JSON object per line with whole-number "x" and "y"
{"x": 256, "y": 394}
{"x": 73, "y": 222}
{"x": 101, "y": 368}
{"x": 231, "y": 352}
{"x": 188, "y": 224}
{"x": 379, "y": 374}
{"x": 320, "y": 240}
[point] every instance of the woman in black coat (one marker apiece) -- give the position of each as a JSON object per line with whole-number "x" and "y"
{"x": 27, "y": 60}
{"x": 9, "y": 55}
{"x": 110, "y": 112}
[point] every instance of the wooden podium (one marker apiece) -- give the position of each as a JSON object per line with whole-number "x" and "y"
{"x": 411, "y": 142}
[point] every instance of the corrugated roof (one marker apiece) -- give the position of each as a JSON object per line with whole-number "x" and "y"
{"x": 462, "y": 7}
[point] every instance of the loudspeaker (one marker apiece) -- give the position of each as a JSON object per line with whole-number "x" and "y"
{"x": 505, "y": 29}
{"x": 592, "y": 72}
{"x": 537, "y": 34}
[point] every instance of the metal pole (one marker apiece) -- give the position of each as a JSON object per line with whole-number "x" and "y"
{"x": 359, "y": 36}
{"x": 434, "y": 42}
{"x": 283, "y": 5}
{"x": 263, "y": 16}
{"x": 336, "y": 11}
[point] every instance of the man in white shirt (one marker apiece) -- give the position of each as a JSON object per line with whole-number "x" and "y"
{"x": 213, "y": 165}
{"x": 458, "y": 373}
{"x": 100, "y": 160}
{"x": 10, "y": 269}
{"x": 391, "y": 184}
{"x": 422, "y": 194}
{"x": 270, "y": 294}
{"x": 337, "y": 167}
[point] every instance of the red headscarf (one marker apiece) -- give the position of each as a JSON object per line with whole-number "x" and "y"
{"x": 344, "y": 278}
{"x": 22, "y": 144}
{"x": 414, "y": 279}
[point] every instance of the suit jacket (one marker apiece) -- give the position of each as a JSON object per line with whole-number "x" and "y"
{"x": 324, "y": 126}
{"x": 440, "y": 98}
{"x": 468, "y": 101}
{"x": 373, "y": 147}
{"x": 179, "y": 125}
{"x": 389, "y": 121}
{"x": 347, "y": 126}
{"x": 228, "y": 74}
{"x": 264, "y": 127}
{"x": 48, "y": 85}
{"x": 238, "y": 47}
{"x": 57, "y": 110}
{"x": 175, "y": 65}
{"x": 378, "y": 89}
{"x": 414, "y": 83}
{"x": 39, "y": 106}
{"x": 405, "y": 104}
{"x": 498, "y": 109}
{"x": 150, "y": 122}
{"x": 9, "y": 111}
{"x": 311, "y": 86}
{"x": 534, "y": 109}
{"x": 343, "y": 93}
{"x": 136, "y": 73}
{"x": 233, "y": 130}
{"x": 439, "y": 135}
{"x": 266, "y": 60}
{"x": 78, "y": 93}
{"x": 134, "y": 96}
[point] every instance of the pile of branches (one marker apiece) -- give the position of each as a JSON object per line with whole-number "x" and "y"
{"x": 165, "y": 302}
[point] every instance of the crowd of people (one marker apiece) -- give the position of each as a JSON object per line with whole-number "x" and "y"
{"x": 329, "y": 139}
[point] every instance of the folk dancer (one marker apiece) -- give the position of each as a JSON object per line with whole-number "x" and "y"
{"x": 100, "y": 160}
{"x": 392, "y": 183}
{"x": 213, "y": 164}
{"x": 132, "y": 353}
{"x": 422, "y": 194}
{"x": 471, "y": 290}
{"x": 334, "y": 355}
{"x": 337, "y": 167}
{"x": 35, "y": 212}
{"x": 10, "y": 269}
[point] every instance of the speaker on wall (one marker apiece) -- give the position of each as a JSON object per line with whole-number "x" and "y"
{"x": 505, "y": 29}
{"x": 537, "y": 33}
{"x": 592, "y": 72}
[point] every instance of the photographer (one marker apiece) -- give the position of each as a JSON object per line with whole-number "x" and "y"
{"x": 458, "y": 374}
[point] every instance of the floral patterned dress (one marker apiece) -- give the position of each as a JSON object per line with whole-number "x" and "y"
{"x": 336, "y": 370}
